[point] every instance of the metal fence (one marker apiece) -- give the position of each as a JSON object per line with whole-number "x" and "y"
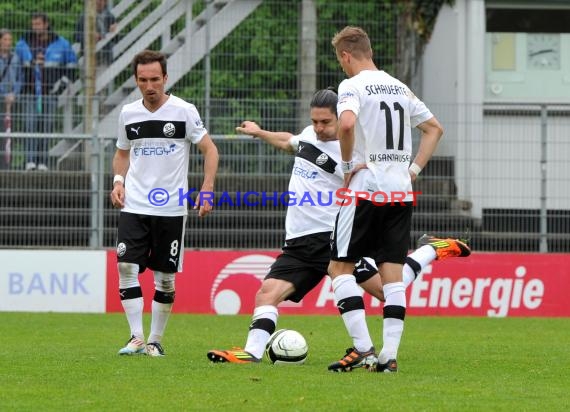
{"x": 499, "y": 173}
{"x": 502, "y": 180}
{"x": 509, "y": 173}
{"x": 232, "y": 58}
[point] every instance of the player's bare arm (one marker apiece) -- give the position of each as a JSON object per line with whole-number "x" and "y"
{"x": 431, "y": 133}
{"x": 211, "y": 158}
{"x": 120, "y": 167}
{"x": 346, "y": 123}
{"x": 280, "y": 140}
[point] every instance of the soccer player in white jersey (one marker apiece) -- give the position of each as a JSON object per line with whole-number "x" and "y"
{"x": 376, "y": 113}
{"x": 306, "y": 253}
{"x": 150, "y": 167}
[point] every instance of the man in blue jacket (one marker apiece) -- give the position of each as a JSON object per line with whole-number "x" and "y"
{"x": 49, "y": 64}
{"x": 10, "y": 84}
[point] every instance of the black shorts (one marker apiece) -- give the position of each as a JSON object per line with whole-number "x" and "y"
{"x": 304, "y": 262}
{"x": 369, "y": 230}
{"x": 156, "y": 242}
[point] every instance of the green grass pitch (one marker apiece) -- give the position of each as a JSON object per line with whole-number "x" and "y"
{"x": 69, "y": 362}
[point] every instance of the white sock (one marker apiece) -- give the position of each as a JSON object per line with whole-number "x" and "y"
{"x": 128, "y": 286}
{"x": 395, "y": 294}
{"x": 161, "y": 304}
{"x": 345, "y": 287}
{"x": 160, "y": 315}
{"x": 257, "y": 338}
{"x": 424, "y": 255}
{"x": 134, "y": 310}
{"x": 408, "y": 275}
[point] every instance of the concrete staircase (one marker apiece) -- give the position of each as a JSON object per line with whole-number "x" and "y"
{"x": 184, "y": 47}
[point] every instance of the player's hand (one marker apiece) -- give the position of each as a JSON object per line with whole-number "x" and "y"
{"x": 249, "y": 127}
{"x": 413, "y": 176}
{"x": 204, "y": 203}
{"x": 118, "y": 195}
{"x": 348, "y": 176}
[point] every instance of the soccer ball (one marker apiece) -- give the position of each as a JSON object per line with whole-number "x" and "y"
{"x": 287, "y": 347}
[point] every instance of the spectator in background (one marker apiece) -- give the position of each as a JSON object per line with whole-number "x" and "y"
{"x": 10, "y": 84}
{"x": 105, "y": 23}
{"x": 49, "y": 64}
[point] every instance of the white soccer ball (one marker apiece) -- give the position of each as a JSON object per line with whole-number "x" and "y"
{"x": 287, "y": 347}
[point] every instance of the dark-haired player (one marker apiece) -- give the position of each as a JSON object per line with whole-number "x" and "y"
{"x": 306, "y": 253}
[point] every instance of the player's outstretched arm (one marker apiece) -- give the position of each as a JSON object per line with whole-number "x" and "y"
{"x": 280, "y": 140}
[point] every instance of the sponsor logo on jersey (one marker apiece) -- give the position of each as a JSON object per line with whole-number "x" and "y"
{"x": 154, "y": 150}
{"x": 304, "y": 173}
{"x": 168, "y": 130}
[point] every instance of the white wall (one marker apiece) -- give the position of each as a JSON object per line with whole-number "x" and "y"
{"x": 440, "y": 74}
{"x": 497, "y": 157}
{"x": 453, "y": 80}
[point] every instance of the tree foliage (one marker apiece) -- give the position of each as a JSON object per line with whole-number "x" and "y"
{"x": 63, "y": 15}
{"x": 416, "y": 23}
{"x": 254, "y": 71}
{"x": 259, "y": 59}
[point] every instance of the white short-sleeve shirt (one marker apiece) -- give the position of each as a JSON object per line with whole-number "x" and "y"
{"x": 159, "y": 144}
{"x": 315, "y": 177}
{"x": 386, "y": 111}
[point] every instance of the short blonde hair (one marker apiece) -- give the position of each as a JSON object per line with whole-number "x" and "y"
{"x": 353, "y": 40}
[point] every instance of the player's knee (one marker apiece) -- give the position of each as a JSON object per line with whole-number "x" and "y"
{"x": 164, "y": 281}
{"x": 332, "y": 268}
{"x": 337, "y": 268}
{"x": 394, "y": 288}
{"x": 266, "y": 297}
{"x": 128, "y": 269}
{"x": 272, "y": 292}
{"x": 128, "y": 275}
{"x": 374, "y": 287}
{"x": 164, "y": 297}
{"x": 340, "y": 280}
{"x": 364, "y": 269}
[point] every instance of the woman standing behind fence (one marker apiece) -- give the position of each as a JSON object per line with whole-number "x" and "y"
{"x": 10, "y": 84}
